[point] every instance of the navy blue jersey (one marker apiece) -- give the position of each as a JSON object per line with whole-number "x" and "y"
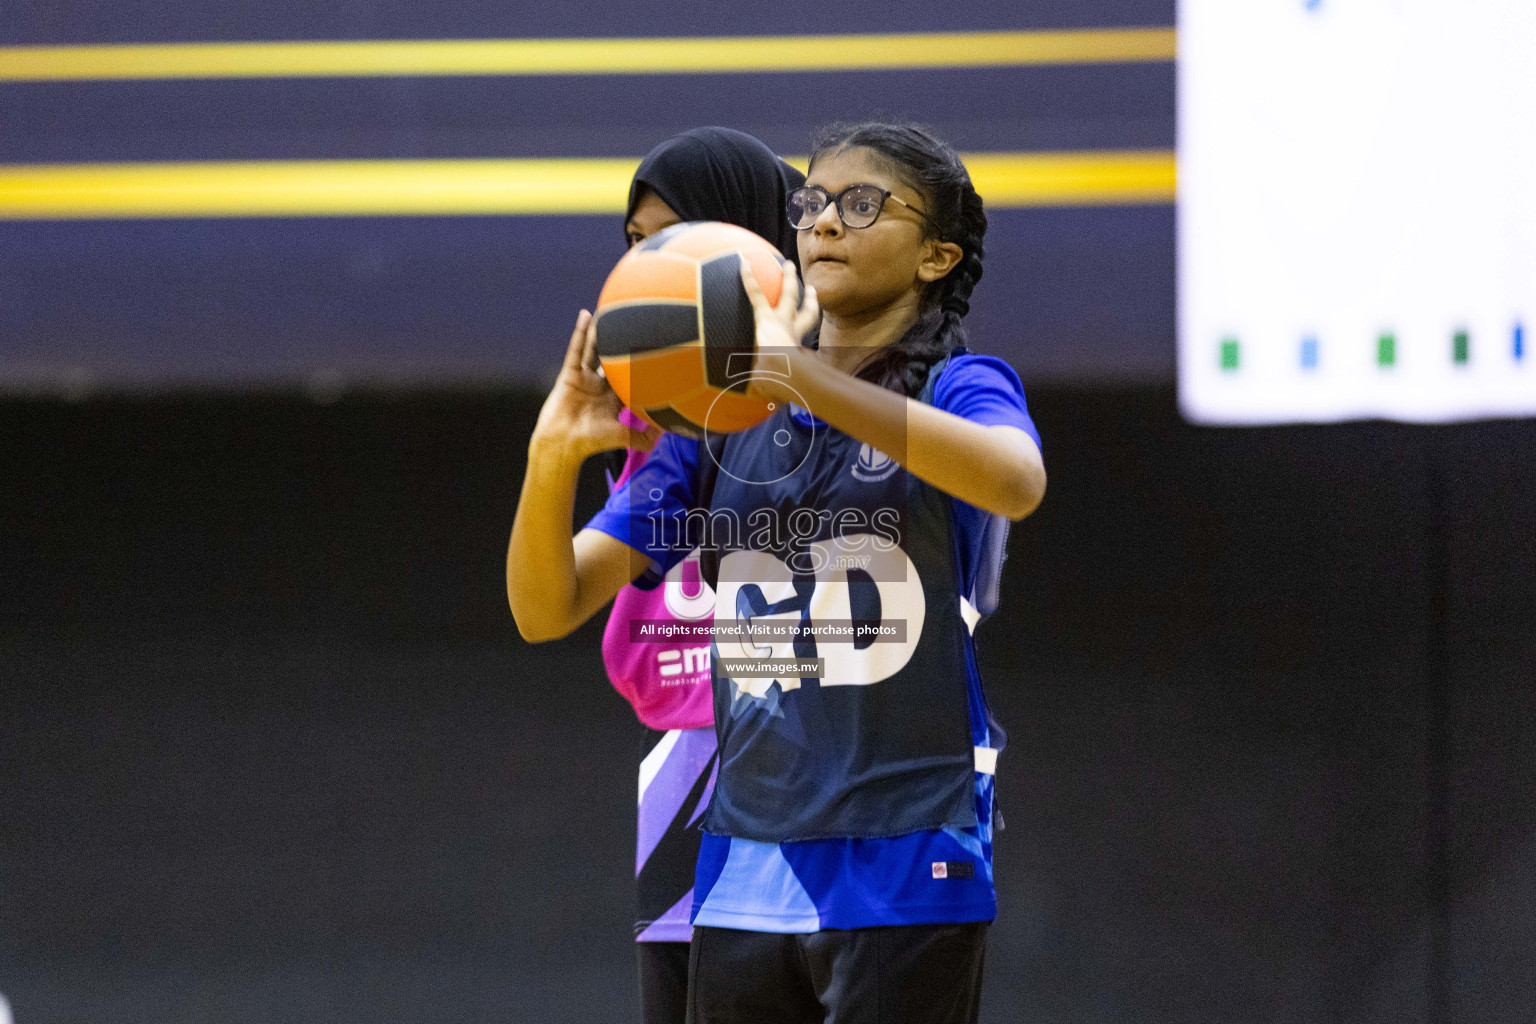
{"x": 838, "y": 546}
{"x": 854, "y": 786}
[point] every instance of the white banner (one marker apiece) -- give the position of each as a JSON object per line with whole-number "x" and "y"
{"x": 1357, "y": 209}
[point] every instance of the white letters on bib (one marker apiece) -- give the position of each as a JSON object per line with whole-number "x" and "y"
{"x": 757, "y": 577}
{"x": 681, "y": 578}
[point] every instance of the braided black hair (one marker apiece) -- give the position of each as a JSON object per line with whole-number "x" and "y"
{"x": 931, "y": 167}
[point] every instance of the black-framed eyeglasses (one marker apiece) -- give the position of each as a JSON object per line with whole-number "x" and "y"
{"x": 858, "y": 206}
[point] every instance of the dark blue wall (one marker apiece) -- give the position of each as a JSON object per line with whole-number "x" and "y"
{"x": 1077, "y": 294}
{"x": 82, "y": 21}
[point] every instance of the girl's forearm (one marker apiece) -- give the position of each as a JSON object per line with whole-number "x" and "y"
{"x": 998, "y": 469}
{"x": 541, "y": 561}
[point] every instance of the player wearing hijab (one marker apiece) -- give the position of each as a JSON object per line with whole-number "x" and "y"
{"x": 845, "y": 874}
{"x": 702, "y": 174}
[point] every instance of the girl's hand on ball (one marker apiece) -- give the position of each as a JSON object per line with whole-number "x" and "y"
{"x": 581, "y": 415}
{"x": 780, "y": 327}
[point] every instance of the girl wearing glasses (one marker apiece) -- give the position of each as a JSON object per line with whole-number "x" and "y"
{"x": 845, "y": 871}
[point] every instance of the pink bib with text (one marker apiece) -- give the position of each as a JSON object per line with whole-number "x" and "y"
{"x": 666, "y": 681}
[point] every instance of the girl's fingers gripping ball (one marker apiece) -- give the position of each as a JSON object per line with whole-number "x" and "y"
{"x": 790, "y": 294}
{"x": 754, "y": 290}
{"x": 589, "y": 359}
{"x": 575, "y": 347}
{"x": 764, "y": 312}
{"x": 798, "y": 307}
{"x": 809, "y": 313}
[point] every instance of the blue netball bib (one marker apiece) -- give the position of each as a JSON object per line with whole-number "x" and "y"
{"x": 839, "y": 662}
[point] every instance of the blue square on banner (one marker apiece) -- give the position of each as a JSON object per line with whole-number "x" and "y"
{"x": 1309, "y": 353}
{"x": 1519, "y": 341}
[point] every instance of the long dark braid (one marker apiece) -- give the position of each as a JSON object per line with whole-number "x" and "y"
{"x": 935, "y": 171}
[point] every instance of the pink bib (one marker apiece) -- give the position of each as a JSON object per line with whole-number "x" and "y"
{"x": 667, "y": 682}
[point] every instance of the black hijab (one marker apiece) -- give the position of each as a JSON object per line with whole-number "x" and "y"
{"x": 722, "y": 174}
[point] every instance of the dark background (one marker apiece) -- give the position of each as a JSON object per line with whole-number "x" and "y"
{"x": 274, "y": 751}
{"x": 271, "y": 749}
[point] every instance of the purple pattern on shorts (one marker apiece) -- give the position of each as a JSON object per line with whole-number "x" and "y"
{"x": 673, "y": 926}
{"x": 667, "y": 792}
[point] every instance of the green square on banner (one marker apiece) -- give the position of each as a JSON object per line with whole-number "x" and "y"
{"x": 1229, "y": 353}
{"x": 1461, "y": 348}
{"x": 1386, "y": 350}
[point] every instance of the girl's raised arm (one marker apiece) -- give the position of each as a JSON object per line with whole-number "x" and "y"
{"x": 998, "y": 468}
{"x": 556, "y": 582}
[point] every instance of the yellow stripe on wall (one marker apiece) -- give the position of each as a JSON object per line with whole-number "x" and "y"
{"x": 384, "y": 188}
{"x": 351, "y": 59}
{"x": 315, "y": 188}
{"x": 1013, "y": 180}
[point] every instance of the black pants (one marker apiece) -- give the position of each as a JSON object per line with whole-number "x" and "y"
{"x": 663, "y": 981}
{"x": 922, "y": 974}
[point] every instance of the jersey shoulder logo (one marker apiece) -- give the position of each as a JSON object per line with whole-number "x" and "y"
{"x": 873, "y": 465}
